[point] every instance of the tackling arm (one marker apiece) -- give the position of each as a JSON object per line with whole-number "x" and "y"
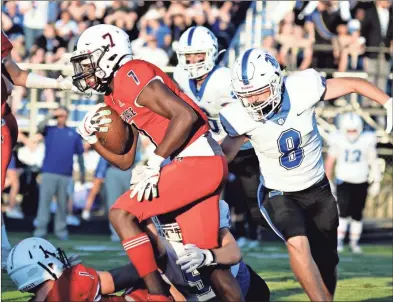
{"x": 27, "y": 79}
{"x": 229, "y": 253}
{"x": 231, "y": 146}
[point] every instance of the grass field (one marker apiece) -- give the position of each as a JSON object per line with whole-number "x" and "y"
{"x": 366, "y": 277}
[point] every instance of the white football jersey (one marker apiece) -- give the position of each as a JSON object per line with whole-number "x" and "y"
{"x": 288, "y": 146}
{"x": 353, "y": 159}
{"x": 215, "y": 92}
{"x": 193, "y": 286}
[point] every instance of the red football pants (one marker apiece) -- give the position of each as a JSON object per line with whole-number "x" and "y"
{"x": 9, "y": 135}
{"x": 184, "y": 181}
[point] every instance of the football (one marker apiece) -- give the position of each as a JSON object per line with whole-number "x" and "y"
{"x": 119, "y": 137}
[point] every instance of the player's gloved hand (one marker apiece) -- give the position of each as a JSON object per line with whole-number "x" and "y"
{"x": 145, "y": 179}
{"x": 374, "y": 188}
{"x": 66, "y": 84}
{"x": 90, "y": 123}
{"x": 193, "y": 258}
{"x": 389, "y": 115}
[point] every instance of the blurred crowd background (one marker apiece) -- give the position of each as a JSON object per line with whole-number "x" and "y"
{"x": 330, "y": 36}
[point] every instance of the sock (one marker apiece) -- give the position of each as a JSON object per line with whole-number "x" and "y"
{"x": 140, "y": 252}
{"x": 342, "y": 229}
{"x": 4, "y": 238}
{"x": 355, "y": 232}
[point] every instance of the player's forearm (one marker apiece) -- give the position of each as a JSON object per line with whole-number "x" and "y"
{"x": 227, "y": 255}
{"x": 178, "y": 132}
{"x": 231, "y": 146}
{"x": 123, "y": 162}
{"x": 367, "y": 89}
{"x": 339, "y": 87}
{"x": 28, "y": 79}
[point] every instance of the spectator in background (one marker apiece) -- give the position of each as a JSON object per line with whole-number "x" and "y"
{"x": 35, "y": 18}
{"x": 19, "y": 51}
{"x": 377, "y": 28}
{"x": 269, "y": 44}
{"x": 50, "y": 42}
{"x": 12, "y": 19}
{"x": 152, "y": 24}
{"x": 12, "y": 181}
{"x": 61, "y": 143}
{"x": 295, "y": 48}
{"x": 90, "y": 16}
{"x": 150, "y": 52}
{"x": 321, "y": 26}
{"x": 349, "y": 46}
{"x": 65, "y": 26}
{"x": 76, "y": 8}
{"x": 116, "y": 182}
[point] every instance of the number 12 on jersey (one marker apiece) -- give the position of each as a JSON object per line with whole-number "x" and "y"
{"x": 289, "y": 146}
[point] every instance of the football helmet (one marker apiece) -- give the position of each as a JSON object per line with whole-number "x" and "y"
{"x": 99, "y": 53}
{"x": 34, "y": 261}
{"x": 197, "y": 39}
{"x": 351, "y": 125}
{"x": 255, "y": 71}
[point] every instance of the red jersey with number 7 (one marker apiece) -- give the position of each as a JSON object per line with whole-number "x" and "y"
{"x": 129, "y": 82}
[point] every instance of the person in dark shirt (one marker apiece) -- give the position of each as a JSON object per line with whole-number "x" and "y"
{"x": 61, "y": 143}
{"x": 50, "y": 42}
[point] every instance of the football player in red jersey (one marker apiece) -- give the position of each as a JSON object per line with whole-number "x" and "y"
{"x": 11, "y": 75}
{"x": 37, "y": 267}
{"x": 146, "y": 98}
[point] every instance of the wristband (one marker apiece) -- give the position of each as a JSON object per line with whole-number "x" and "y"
{"x": 210, "y": 258}
{"x": 36, "y": 81}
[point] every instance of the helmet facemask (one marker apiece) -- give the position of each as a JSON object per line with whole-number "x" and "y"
{"x": 87, "y": 71}
{"x": 199, "y": 69}
{"x": 263, "y": 110}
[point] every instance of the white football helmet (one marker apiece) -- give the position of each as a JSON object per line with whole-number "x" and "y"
{"x": 197, "y": 39}
{"x": 99, "y": 53}
{"x": 34, "y": 261}
{"x": 351, "y": 125}
{"x": 254, "y": 72}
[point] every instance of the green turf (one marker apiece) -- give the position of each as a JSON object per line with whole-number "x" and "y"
{"x": 366, "y": 277}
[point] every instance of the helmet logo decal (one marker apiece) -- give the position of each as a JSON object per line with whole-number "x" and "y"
{"x": 245, "y": 65}
{"x": 271, "y": 60}
{"x": 110, "y": 39}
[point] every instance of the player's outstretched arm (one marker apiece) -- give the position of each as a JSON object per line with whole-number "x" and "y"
{"x": 227, "y": 254}
{"x": 342, "y": 86}
{"x": 231, "y": 146}
{"x": 27, "y": 79}
{"x": 160, "y": 99}
{"x": 118, "y": 279}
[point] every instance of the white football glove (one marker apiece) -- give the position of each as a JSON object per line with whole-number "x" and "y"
{"x": 144, "y": 179}
{"x": 193, "y": 258}
{"x": 389, "y": 115}
{"x": 374, "y": 188}
{"x": 66, "y": 84}
{"x": 89, "y": 124}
